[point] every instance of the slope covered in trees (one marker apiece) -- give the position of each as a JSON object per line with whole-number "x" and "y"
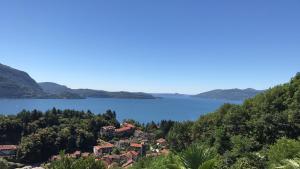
{"x": 17, "y": 84}
{"x": 261, "y": 133}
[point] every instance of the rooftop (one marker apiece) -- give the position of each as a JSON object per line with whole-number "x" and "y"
{"x": 123, "y": 129}
{"x": 8, "y": 147}
{"x": 106, "y": 145}
{"x": 136, "y": 145}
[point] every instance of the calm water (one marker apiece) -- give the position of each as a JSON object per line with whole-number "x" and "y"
{"x": 180, "y": 108}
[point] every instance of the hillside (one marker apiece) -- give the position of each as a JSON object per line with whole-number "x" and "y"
{"x": 105, "y": 94}
{"x": 17, "y": 84}
{"x": 261, "y": 133}
{"x": 55, "y": 90}
{"x": 61, "y": 91}
{"x": 229, "y": 94}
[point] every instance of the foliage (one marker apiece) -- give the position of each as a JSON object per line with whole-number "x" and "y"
{"x": 198, "y": 157}
{"x": 179, "y": 136}
{"x": 70, "y": 163}
{"x": 195, "y": 157}
{"x": 3, "y": 164}
{"x": 41, "y": 135}
{"x": 284, "y": 152}
{"x": 242, "y": 133}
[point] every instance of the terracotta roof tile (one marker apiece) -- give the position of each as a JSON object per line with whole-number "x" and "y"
{"x": 107, "y": 145}
{"x": 136, "y": 145}
{"x": 8, "y": 147}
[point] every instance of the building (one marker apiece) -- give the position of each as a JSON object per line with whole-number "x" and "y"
{"x": 126, "y": 130}
{"x": 140, "y": 148}
{"x": 133, "y": 155}
{"x": 105, "y": 148}
{"x": 107, "y": 131}
{"x": 8, "y": 150}
{"x": 123, "y": 144}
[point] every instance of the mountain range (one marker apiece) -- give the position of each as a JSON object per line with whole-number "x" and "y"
{"x": 18, "y": 84}
{"x": 60, "y": 90}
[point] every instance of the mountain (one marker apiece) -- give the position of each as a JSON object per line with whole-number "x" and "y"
{"x": 169, "y": 95}
{"x": 229, "y": 94}
{"x": 55, "y": 90}
{"x": 62, "y": 91}
{"x": 106, "y": 94}
{"x": 17, "y": 84}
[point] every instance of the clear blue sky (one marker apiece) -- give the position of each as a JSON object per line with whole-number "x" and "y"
{"x": 153, "y": 45}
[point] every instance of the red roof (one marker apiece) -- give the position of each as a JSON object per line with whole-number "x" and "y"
{"x": 134, "y": 153}
{"x": 107, "y": 145}
{"x": 8, "y": 147}
{"x": 136, "y": 145}
{"x": 123, "y": 129}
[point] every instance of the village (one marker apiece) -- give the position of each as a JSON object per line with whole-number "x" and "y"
{"x": 118, "y": 147}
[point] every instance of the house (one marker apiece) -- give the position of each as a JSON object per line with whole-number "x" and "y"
{"x": 123, "y": 144}
{"x": 8, "y": 150}
{"x": 161, "y": 142}
{"x": 107, "y": 131}
{"x": 140, "y": 148}
{"x": 103, "y": 149}
{"x": 109, "y": 159}
{"x": 125, "y": 131}
{"x": 138, "y": 133}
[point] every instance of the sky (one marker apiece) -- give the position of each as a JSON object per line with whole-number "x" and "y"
{"x": 153, "y": 45}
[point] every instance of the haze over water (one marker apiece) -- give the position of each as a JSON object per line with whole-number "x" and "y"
{"x": 179, "y": 108}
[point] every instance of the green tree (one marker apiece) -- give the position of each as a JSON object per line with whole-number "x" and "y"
{"x": 3, "y": 164}
{"x": 282, "y": 151}
{"x": 198, "y": 157}
{"x": 69, "y": 163}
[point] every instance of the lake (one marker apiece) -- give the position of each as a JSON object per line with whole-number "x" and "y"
{"x": 170, "y": 108}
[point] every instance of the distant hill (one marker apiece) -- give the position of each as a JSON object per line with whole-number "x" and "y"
{"x": 65, "y": 92}
{"x": 105, "y": 94}
{"x": 229, "y": 94}
{"x": 169, "y": 95}
{"x": 17, "y": 84}
{"x": 55, "y": 90}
